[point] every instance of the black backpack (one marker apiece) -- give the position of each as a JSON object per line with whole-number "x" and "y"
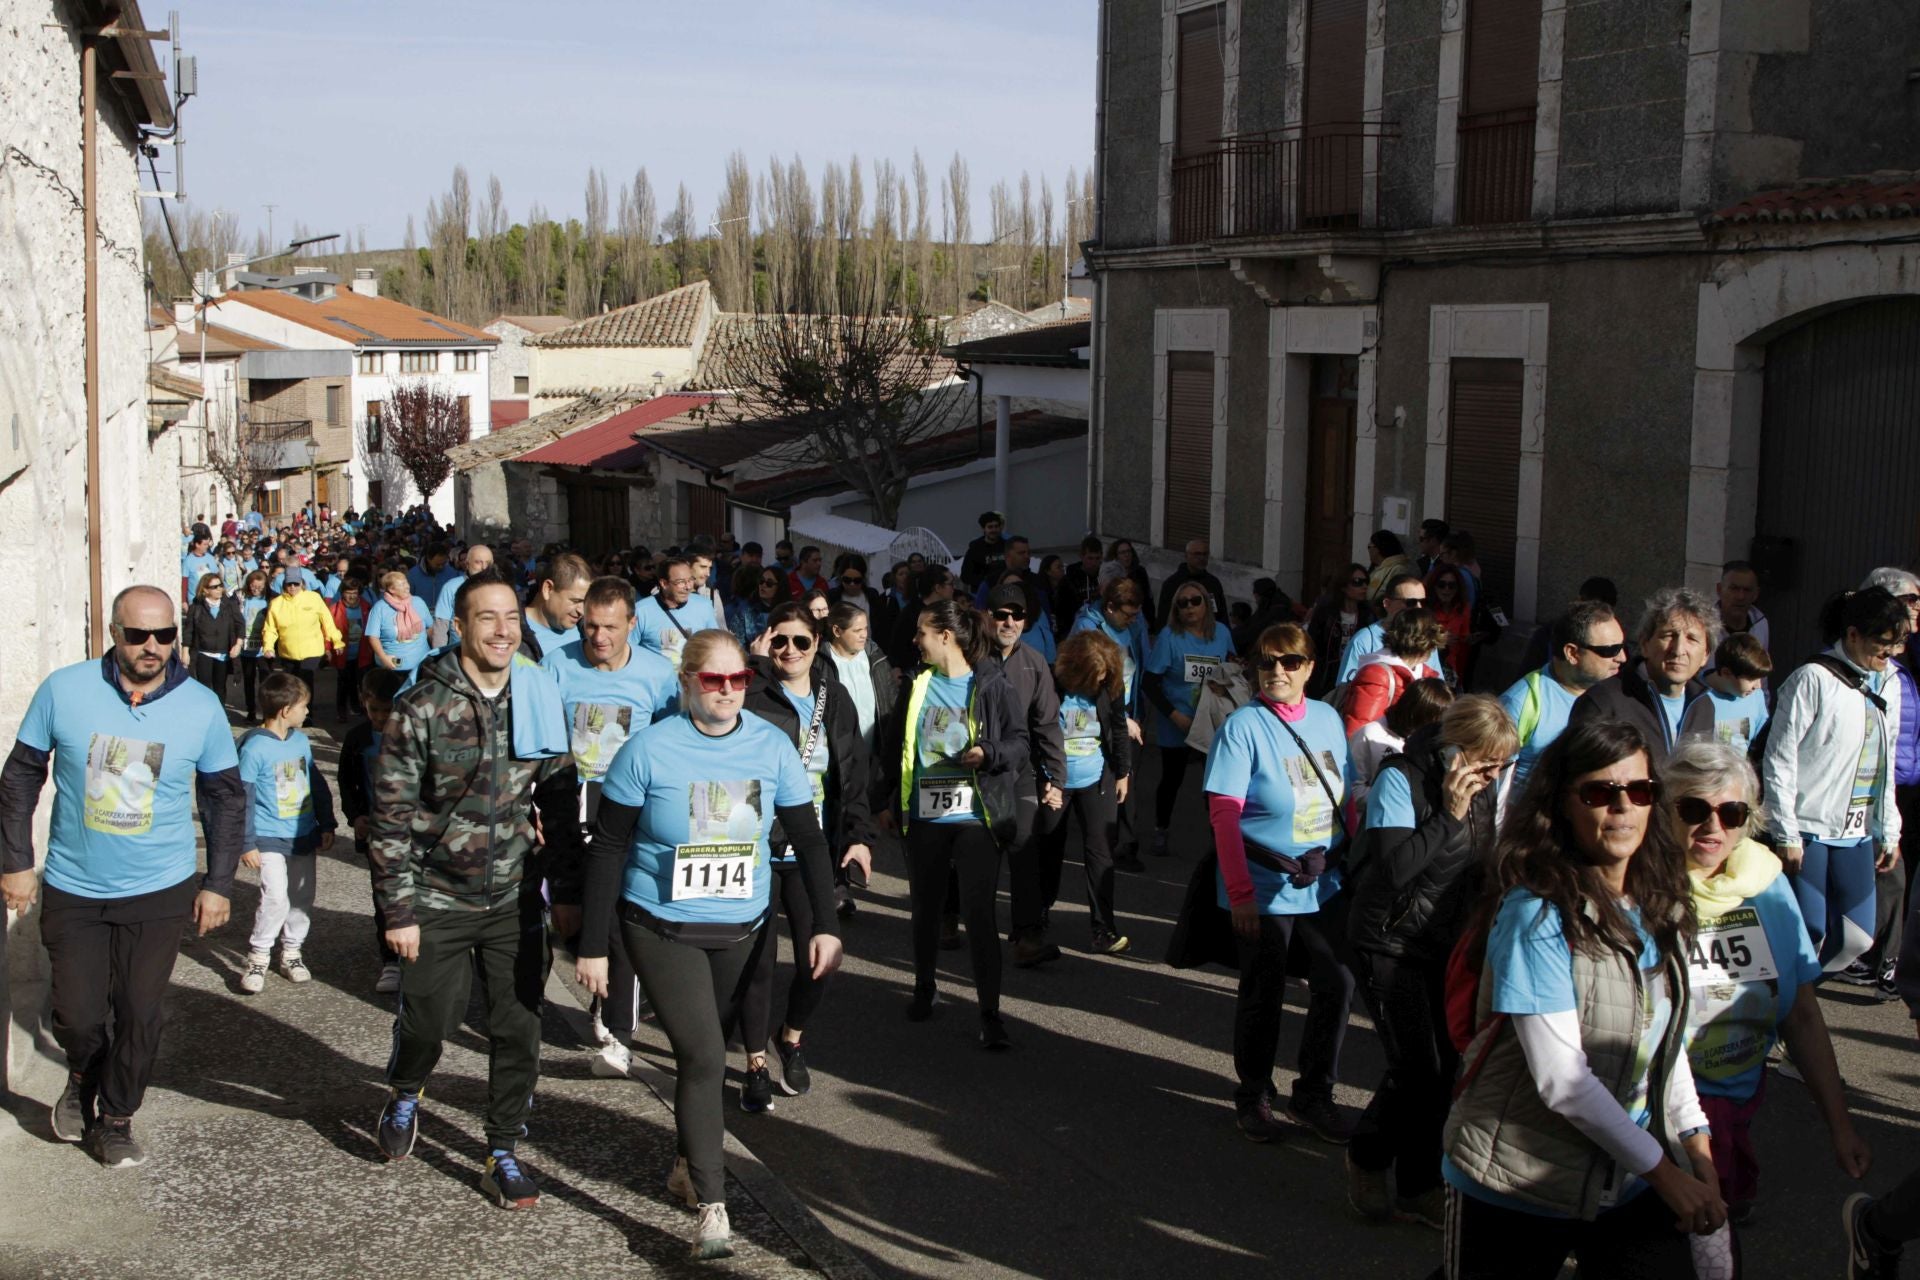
{"x": 1757, "y": 748}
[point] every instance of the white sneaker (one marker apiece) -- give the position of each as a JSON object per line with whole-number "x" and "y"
{"x": 389, "y": 979}
{"x": 254, "y": 980}
{"x": 680, "y": 1183}
{"x": 293, "y": 968}
{"x": 612, "y": 1062}
{"x": 600, "y": 1033}
{"x": 715, "y": 1236}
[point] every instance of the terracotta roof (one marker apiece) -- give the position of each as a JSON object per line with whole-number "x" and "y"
{"x": 714, "y": 441}
{"x": 1030, "y": 430}
{"x": 719, "y": 369}
{"x": 610, "y": 445}
{"x": 361, "y": 320}
{"x": 669, "y": 320}
{"x": 532, "y": 324}
{"x": 508, "y": 412}
{"x": 222, "y": 341}
{"x": 510, "y": 442}
{"x": 1044, "y": 344}
{"x": 1876, "y": 196}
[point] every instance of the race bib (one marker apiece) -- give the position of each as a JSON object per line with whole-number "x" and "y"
{"x": 713, "y": 871}
{"x": 1731, "y": 949}
{"x": 122, "y": 775}
{"x": 1200, "y": 667}
{"x": 1854, "y": 826}
{"x": 943, "y": 797}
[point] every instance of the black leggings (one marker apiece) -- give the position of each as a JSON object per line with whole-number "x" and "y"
{"x": 1094, "y": 806}
{"x": 211, "y": 672}
{"x": 1173, "y": 772}
{"x": 696, "y": 994}
{"x": 803, "y": 993}
{"x": 250, "y": 664}
{"x": 1636, "y": 1241}
{"x": 1262, "y": 995}
{"x": 969, "y": 849}
{"x": 1401, "y": 1128}
{"x": 305, "y": 668}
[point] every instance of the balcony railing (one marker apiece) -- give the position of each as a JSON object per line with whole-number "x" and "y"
{"x": 1496, "y": 167}
{"x": 280, "y": 444}
{"x": 1317, "y": 178}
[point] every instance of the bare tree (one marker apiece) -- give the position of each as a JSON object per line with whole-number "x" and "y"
{"x": 733, "y": 221}
{"x": 420, "y": 421}
{"x": 596, "y": 241}
{"x": 959, "y": 190}
{"x": 638, "y": 224}
{"x": 235, "y": 451}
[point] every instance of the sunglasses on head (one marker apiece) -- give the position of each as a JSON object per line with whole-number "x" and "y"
{"x": 1285, "y": 661}
{"x": 1605, "y": 650}
{"x": 1640, "y": 793}
{"x": 718, "y": 681}
{"x": 799, "y": 641}
{"x": 1009, "y": 613}
{"x": 140, "y": 635}
{"x": 1693, "y": 811}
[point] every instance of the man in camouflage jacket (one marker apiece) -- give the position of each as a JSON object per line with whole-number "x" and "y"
{"x": 459, "y": 861}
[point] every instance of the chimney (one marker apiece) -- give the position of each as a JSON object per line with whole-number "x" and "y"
{"x": 182, "y": 311}
{"x": 308, "y": 271}
{"x": 230, "y": 278}
{"x": 366, "y": 282}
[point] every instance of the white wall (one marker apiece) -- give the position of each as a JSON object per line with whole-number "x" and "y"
{"x": 374, "y": 386}
{"x": 950, "y": 502}
{"x": 573, "y": 369}
{"x": 510, "y": 360}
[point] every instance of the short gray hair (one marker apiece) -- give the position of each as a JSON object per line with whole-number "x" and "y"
{"x": 1703, "y": 766}
{"x": 1893, "y": 578}
{"x": 1668, "y": 601}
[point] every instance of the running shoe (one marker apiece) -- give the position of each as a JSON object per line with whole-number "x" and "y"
{"x": 993, "y": 1033}
{"x": 756, "y": 1095}
{"x": 1256, "y": 1121}
{"x": 73, "y": 1113}
{"x": 293, "y": 968}
{"x": 843, "y": 903}
{"x": 714, "y": 1239}
{"x": 389, "y": 979}
{"x": 1858, "y": 974}
{"x": 254, "y": 980}
{"x": 1110, "y": 944}
{"x": 1159, "y": 847}
{"x": 613, "y": 1062}
{"x": 1367, "y": 1192}
{"x": 795, "y": 1079}
{"x": 1323, "y": 1117}
{"x": 507, "y": 1184}
{"x": 600, "y": 1033}
{"x": 1129, "y": 863}
{"x": 1867, "y": 1258}
{"x": 920, "y": 1008}
{"x": 950, "y": 933}
{"x": 399, "y": 1124}
{"x": 1033, "y": 950}
{"x": 680, "y": 1183}
{"x": 1428, "y": 1209}
{"x": 1886, "y": 989}
{"x": 114, "y": 1145}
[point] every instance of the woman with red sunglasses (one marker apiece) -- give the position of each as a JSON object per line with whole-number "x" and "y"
{"x": 681, "y": 840}
{"x": 1575, "y": 1126}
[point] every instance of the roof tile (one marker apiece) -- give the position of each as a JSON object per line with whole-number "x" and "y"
{"x": 361, "y": 320}
{"x": 1876, "y": 196}
{"x": 669, "y": 320}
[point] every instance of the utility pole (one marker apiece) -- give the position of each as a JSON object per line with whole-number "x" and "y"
{"x": 270, "y": 208}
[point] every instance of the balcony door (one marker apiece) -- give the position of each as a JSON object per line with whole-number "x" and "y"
{"x": 1331, "y": 158}
{"x": 1498, "y": 102}
{"x": 1199, "y": 175}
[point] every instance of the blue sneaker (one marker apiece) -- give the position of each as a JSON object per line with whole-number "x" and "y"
{"x": 507, "y": 1184}
{"x": 399, "y": 1124}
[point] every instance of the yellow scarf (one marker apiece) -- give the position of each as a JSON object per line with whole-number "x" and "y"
{"x": 1748, "y": 870}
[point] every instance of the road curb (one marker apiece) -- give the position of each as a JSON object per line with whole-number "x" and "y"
{"x": 823, "y": 1249}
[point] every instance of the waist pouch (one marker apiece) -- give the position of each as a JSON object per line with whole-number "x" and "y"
{"x": 708, "y": 935}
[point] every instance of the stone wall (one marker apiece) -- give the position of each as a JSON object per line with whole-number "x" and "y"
{"x": 511, "y": 360}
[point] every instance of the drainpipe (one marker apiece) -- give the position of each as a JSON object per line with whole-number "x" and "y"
{"x": 979, "y": 408}
{"x": 90, "y": 197}
{"x": 1096, "y": 356}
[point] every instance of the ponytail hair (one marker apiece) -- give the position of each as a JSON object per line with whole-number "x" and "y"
{"x": 964, "y": 622}
{"x": 1872, "y": 611}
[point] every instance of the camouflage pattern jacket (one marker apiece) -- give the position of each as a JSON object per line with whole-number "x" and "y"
{"x": 452, "y": 825}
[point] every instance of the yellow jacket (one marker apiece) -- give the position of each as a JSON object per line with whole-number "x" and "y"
{"x": 300, "y": 627}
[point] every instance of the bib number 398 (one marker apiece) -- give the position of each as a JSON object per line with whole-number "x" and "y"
{"x": 712, "y": 871}
{"x": 941, "y": 799}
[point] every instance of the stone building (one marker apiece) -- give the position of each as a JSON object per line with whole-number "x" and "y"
{"x": 1616, "y": 286}
{"x": 510, "y": 371}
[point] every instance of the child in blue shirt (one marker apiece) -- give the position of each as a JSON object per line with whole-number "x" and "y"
{"x": 1738, "y": 686}
{"x": 289, "y": 815}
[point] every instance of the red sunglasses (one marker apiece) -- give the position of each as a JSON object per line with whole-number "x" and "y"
{"x": 716, "y": 681}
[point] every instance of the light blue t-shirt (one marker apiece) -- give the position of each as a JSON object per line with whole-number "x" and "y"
{"x": 305, "y": 575}
{"x": 1673, "y": 709}
{"x": 605, "y": 708}
{"x": 1368, "y": 639}
{"x": 1390, "y": 802}
{"x": 251, "y": 609}
{"x": 667, "y": 633}
{"x": 193, "y": 568}
{"x": 1744, "y": 969}
{"x": 1133, "y": 649}
{"x": 1554, "y": 705}
{"x": 549, "y": 638}
{"x": 943, "y": 735}
{"x": 426, "y": 586}
{"x": 706, "y": 806}
{"x": 1287, "y": 810}
{"x": 816, "y": 766}
{"x": 383, "y": 623}
{"x": 1737, "y": 721}
{"x": 232, "y": 575}
{"x": 1039, "y": 638}
{"x": 1177, "y": 655}
{"x": 330, "y": 589}
{"x": 123, "y": 779}
{"x": 1080, "y": 729}
{"x": 279, "y": 777}
{"x": 443, "y": 603}
{"x": 355, "y": 629}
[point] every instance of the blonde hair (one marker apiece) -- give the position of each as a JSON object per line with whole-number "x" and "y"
{"x": 1480, "y": 727}
{"x": 389, "y": 576}
{"x": 701, "y": 646}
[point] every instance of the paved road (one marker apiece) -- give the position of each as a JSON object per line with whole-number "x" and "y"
{"x": 1103, "y": 1145}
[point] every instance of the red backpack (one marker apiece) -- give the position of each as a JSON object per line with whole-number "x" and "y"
{"x": 1465, "y": 967}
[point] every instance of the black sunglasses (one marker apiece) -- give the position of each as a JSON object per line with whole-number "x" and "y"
{"x": 1605, "y": 650}
{"x": 1693, "y": 811}
{"x": 1189, "y": 602}
{"x": 1285, "y": 661}
{"x": 769, "y": 582}
{"x": 140, "y": 635}
{"x": 1009, "y": 613}
{"x": 852, "y": 581}
{"x": 1640, "y": 793}
{"x": 800, "y": 642}
{"x": 1356, "y": 582}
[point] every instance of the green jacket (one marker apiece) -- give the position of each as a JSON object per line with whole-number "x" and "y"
{"x": 452, "y": 825}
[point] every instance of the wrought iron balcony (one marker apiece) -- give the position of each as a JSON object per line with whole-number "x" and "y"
{"x": 1496, "y": 167}
{"x": 1289, "y": 180}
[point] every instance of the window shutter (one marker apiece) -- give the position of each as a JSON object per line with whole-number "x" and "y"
{"x": 1503, "y": 56}
{"x": 1202, "y": 88}
{"x": 1336, "y": 62}
{"x": 1483, "y": 465}
{"x": 1189, "y": 466}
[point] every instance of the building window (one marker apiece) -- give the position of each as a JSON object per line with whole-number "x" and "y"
{"x": 336, "y": 400}
{"x": 466, "y": 412}
{"x": 464, "y": 361}
{"x": 520, "y": 384}
{"x": 376, "y": 492}
{"x": 419, "y": 362}
{"x": 1189, "y": 462}
{"x": 1199, "y": 108}
{"x": 373, "y": 362}
{"x": 376, "y": 435}
{"x": 1498, "y": 101}
{"x": 268, "y": 501}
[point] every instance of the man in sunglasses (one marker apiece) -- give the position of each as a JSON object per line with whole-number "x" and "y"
{"x": 1663, "y": 695}
{"x": 1404, "y": 591}
{"x": 1194, "y": 569}
{"x": 666, "y": 620}
{"x": 128, "y": 738}
{"x": 1042, "y": 773}
{"x": 1588, "y": 646}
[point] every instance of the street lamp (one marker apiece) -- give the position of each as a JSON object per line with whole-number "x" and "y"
{"x": 312, "y": 445}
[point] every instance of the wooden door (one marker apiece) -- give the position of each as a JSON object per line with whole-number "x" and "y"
{"x": 1189, "y": 457}
{"x": 1331, "y": 415}
{"x": 1483, "y": 466}
{"x": 597, "y": 518}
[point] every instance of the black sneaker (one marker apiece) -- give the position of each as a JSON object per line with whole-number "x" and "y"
{"x": 399, "y": 1124}
{"x": 1110, "y": 944}
{"x": 1323, "y": 1117}
{"x": 73, "y": 1114}
{"x": 507, "y": 1184}
{"x": 1858, "y": 974}
{"x": 950, "y": 933}
{"x": 1033, "y": 949}
{"x": 795, "y": 1079}
{"x": 756, "y": 1096}
{"x": 114, "y": 1145}
{"x": 993, "y": 1033}
{"x": 1129, "y": 863}
{"x": 920, "y": 1008}
{"x": 1886, "y": 988}
{"x": 1867, "y": 1258}
{"x": 1256, "y": 1121}
{"x": 843, "y": 903}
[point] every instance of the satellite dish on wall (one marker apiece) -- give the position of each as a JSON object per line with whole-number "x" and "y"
{"x": 922, "y": 542}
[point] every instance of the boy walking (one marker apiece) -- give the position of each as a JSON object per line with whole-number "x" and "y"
{"x": 289, "y": 816}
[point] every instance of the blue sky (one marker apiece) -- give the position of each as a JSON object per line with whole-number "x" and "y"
{"x": 351, "y": 112}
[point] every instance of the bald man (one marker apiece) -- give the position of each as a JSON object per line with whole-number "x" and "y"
{"x": 479, "y": 560}
{"x": 127, "y": 737}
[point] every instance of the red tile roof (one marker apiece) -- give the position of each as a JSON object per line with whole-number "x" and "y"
{"x": 361, "y": 320}
{"x": 508, "y": 412}
{"x": 668, "y": 320}
{"x": 1879, "y": 196}
{"x": 610, "y": 445}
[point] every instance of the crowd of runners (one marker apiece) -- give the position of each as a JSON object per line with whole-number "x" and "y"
{"x": 1587, "y": 911}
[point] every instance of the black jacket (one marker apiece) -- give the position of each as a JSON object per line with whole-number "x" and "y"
{"x": 982, "y": 558}
{"x": 1182, "y": 575}
{"x": 1076, "y": 591}
{"x": 1412, "y": 889}
{"x": 1628, "y": 696}
{"x": 205, "y": 633}
{"x": 1038, "y": 707}
{"x": 1001, "y": 736}
{"x": 356, "y": 783}
{"x": 847, "y": 761}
